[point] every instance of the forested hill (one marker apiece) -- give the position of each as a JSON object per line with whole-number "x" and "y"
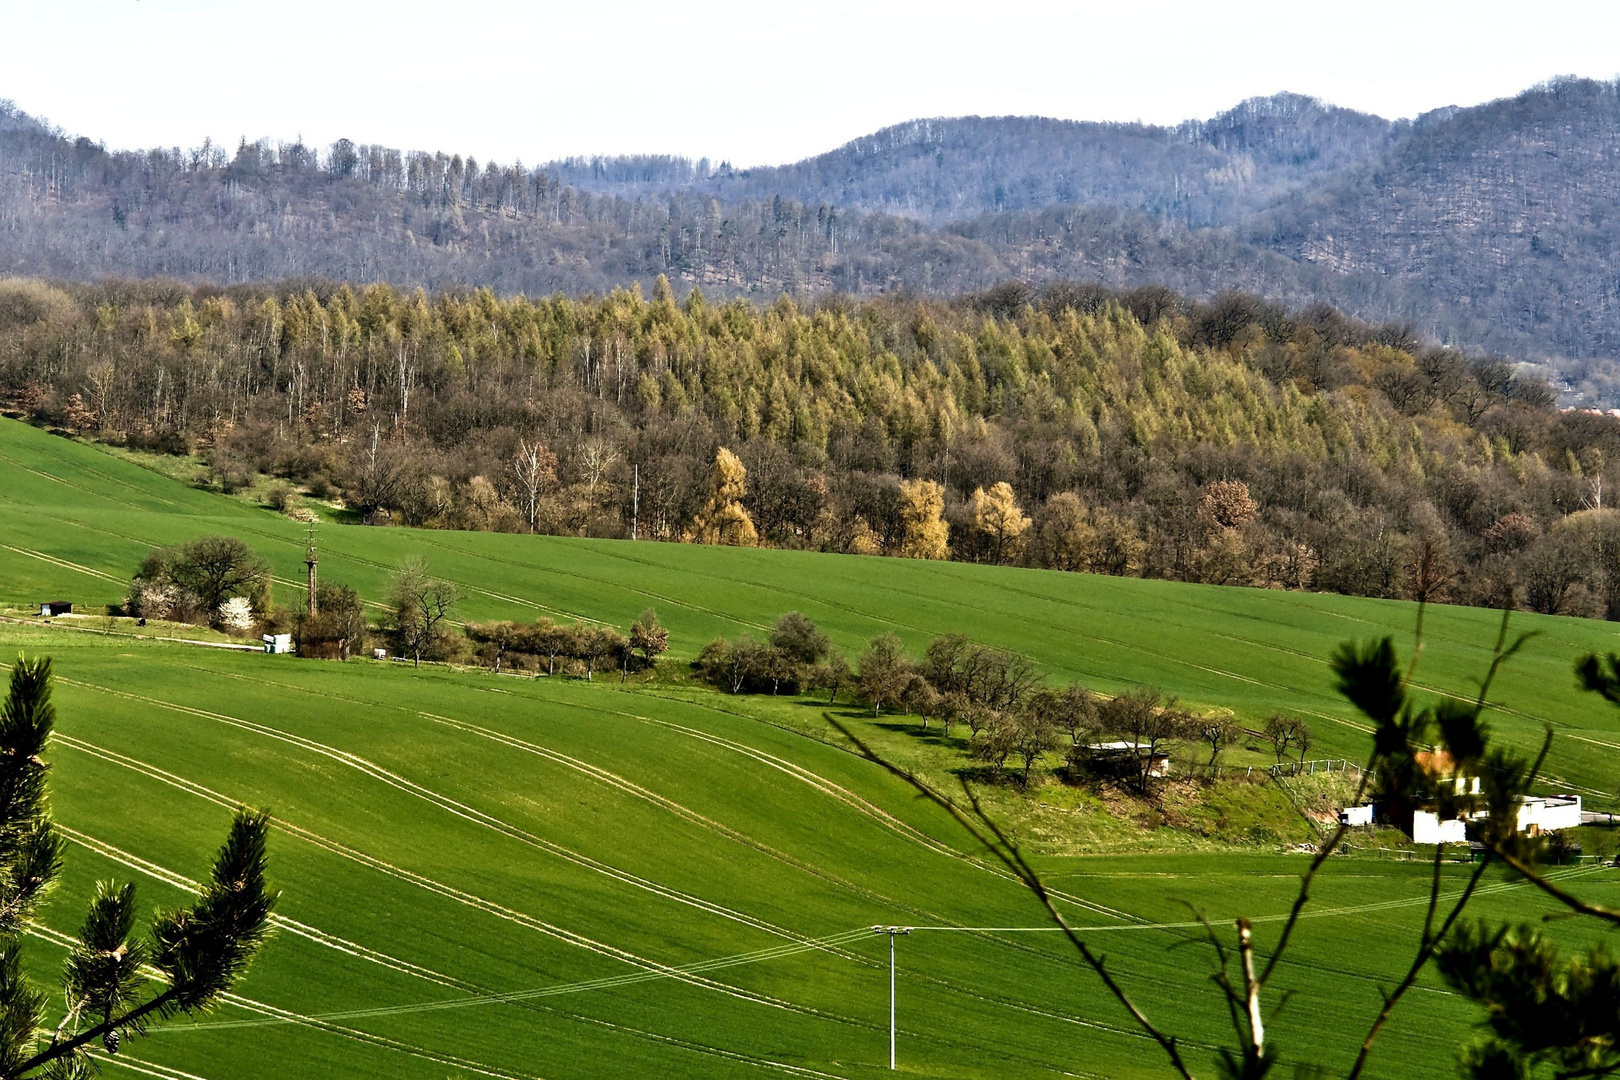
{"x": 1197, "y": 174}
{"x": 1129, "y": 433}
{"x": 1487, "y": 227}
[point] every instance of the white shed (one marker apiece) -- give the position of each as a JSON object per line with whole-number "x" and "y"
{"x": 277, "y": 644}
{"x": 1427, "y": 828}
{"x": 1356, "y": 815}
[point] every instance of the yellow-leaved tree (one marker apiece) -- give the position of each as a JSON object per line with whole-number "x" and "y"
{"x": 997, "y": 515}
{"x": 922, "y": 509}
{"x": 723, "y": 520}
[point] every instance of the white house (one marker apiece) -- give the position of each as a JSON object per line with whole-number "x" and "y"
{"x": 1538, "y": 814}
{"x": 1547, "y": 813}
{"x": 277, "y": 644}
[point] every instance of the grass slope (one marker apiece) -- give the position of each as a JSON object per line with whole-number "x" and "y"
{"x": 543, "y": 878}
{"x": 78, "y": 521}
{"x": 445, "y": 836}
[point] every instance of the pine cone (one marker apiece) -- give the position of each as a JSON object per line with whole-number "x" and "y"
{"x": 111, "y": 1041}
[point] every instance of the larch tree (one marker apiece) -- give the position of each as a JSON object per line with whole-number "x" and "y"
{"x": 997, "y": 515}
{"x": 723, "y": 519}
{"x": 922, "y": 509}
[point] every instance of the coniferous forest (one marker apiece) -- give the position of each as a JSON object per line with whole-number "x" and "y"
{"x": 1074, "y": 427}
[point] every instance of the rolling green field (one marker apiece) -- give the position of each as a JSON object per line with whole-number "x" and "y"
{"x": 543, "y": 878}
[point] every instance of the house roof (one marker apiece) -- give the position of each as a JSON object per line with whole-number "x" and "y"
{"x": 1123, "y": 746}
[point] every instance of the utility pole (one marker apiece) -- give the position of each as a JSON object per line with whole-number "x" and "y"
{"x": 635, "y": 504}
{"x": 310, "y": 561}
{"x": 893, "y": 932}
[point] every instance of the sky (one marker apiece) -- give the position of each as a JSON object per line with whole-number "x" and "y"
{"x": 750, "y": 83}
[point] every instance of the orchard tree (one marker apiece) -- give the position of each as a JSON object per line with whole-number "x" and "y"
{"x": 798, "y": 637}
{"x": 1218, "y": 732}
{"x": 649, "y": 638}
{"x": 884, "y": 672}
{"x": 832, "y": 675}
{"x": 420, "y": 605}
{"x": 1280, "y": 730}
{"x": 594, "y": 644}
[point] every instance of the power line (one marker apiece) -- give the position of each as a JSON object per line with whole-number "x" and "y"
{"x": 512, "y": 996}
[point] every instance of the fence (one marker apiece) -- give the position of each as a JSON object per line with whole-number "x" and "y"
{"x": 1310, "y": 768}
{"x": 1465, "y": 853}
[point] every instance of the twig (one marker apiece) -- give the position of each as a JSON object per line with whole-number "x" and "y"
{"x": 1425, "y": 952}
{"x": 1563, "y": 896}
{"x": 1008, "y": 854}
{"x": 1251, "y": 991}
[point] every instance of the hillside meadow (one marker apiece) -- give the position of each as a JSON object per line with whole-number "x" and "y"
{"x": 78, "y": 521}
{"x": 543, "y": 878}
{"x": 515, "y": 877}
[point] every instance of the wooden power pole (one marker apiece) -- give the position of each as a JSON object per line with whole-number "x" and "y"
{"x": 310, "y": 560}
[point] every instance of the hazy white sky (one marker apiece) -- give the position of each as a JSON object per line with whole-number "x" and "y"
{"x": 752, "y": 83}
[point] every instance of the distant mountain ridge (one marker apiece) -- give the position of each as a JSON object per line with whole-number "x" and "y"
{"x": 1491, "y": 227}
{"x": 1199, "y": 173}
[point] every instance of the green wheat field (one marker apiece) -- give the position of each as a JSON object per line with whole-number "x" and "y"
{"x": 509, "y": 877}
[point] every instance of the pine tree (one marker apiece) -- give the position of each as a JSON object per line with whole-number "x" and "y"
{"x": 198, "y": 953}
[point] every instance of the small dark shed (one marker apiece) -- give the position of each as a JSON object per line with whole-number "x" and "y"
{"x": 55, "y": 607}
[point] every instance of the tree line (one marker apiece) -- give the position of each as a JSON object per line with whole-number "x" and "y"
{"x": 219, "y": 581}
{"x": 1074, "y": 428}
{"x": 1012, "y": 716}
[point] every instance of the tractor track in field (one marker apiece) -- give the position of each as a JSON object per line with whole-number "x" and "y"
{"x": 838, "y": 792}
{"x": 495, "y": 825}
{"x": 627, "y": 786}
{"x": 338, "y": 848}
{"x": 293, "y": 926}
{"x": 148, "y": 1068}
{"x": 523, "y": 997}
{"x": 488, "y": 995}
{"x": 844, "y": 954}
{"x": 829, "y": 944}
{"x": 609, "y": 779}
{"x": 813, "y": 779}
{"x": 1138, "y": 923}
{"x": 67, "y": 941}
{"x": 60, "y": 563}
{"x": 997, "y": 999}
